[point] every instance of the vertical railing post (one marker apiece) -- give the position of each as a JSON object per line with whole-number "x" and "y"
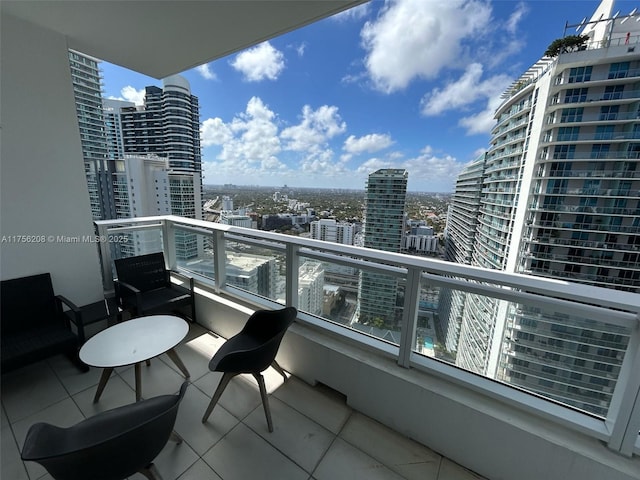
{"x": 409, "y": 316}
{"x": 292, "y": 263}
{"x": 104, "y": 247}
{"x": 623, "y": 416}
{"x": 219, "y": 260}
{"x": 169, "y": 244}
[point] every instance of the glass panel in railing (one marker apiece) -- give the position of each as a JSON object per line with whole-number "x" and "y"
{"x": 194, "y": 253}
{"x": 574, "y": 359}
{"x": 363, "y": 300}
{"x": 259, "y": 270}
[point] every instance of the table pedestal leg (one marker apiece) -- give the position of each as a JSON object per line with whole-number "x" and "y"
{"x": 173, "y": 355}
{"x": 106, "y": 373}
{"x": 138, "y": 381}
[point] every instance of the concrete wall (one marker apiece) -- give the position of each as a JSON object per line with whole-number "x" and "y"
{"x": 493, "y": 439}
{"x": 43, "y": 190}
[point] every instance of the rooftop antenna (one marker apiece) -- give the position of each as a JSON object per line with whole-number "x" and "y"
{"x": 581, "y": 23}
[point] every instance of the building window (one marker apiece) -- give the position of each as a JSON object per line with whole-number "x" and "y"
{"x": 609, "y": 112}
{"x": 619, "y": 70}
{"x": 613, "y": 92}
{"x": 600, "y": 150}
{"x": 604, "y": 132}
{"x": 575, "y": 95}
{"x": 567, "y": 134}
{"x": 580, "y": 74}
{"x": 571, "y": 115}
{"x": 564, "y": 151}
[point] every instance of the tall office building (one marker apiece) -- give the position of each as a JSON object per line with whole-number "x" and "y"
{"x": 168, "y": 125}
{"x": 141, "y": 188}
{"x": 462, "y": 223}
{"x": 464, "y": 210}
{"x": 111, "y": 111}
{"x": 385, "y": 197}
{"x": 87, "y": 89}
{"x": 560, "y": 199}
{"x": 112, "y": 131}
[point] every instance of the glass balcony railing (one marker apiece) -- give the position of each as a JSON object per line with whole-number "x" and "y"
{"x": 517, "y": 338}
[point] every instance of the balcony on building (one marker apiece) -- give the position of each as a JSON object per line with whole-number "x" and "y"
{"x": 384, "y": 406}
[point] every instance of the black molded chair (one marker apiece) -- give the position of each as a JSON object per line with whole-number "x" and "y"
{"x": 144, "y": 287}
{"x": 111, "y": 445}
{"x": 252, "y": 351}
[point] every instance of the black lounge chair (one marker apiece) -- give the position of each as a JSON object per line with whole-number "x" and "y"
{"x": 144, "y": 287}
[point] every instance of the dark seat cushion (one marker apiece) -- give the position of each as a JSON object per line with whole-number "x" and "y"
{"x": 21, "y": 348}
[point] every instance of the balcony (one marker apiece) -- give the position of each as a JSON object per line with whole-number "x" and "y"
{"x": 488, "y": 427}
{"x": 315, "y": 431}
{"x": 365, "y": 363}
{"x": 387, "y": 391}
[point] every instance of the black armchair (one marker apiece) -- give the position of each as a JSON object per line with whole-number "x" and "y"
{"x": 144, "y": 287}
{"x": 33, "y": 324}
{"x": 252, "y": 351}
{"x": 111, "y": 445}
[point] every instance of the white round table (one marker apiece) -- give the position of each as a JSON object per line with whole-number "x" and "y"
{"x": 133, "y": 342}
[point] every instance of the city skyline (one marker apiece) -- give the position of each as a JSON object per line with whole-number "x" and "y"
{"x": 555, "y": 196}
{"x": 328, "y": 104}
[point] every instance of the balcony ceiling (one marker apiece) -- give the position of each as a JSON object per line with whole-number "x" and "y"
{"x": 160, "y": 38}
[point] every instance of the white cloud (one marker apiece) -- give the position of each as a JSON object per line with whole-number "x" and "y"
{"x": 466, "y": 90}
{"x": 433, "y": 171}
{"x": 511, "y": 25}
{"x": 300, "y": 49}
{"x": 315, "y": 128}
{"x": 371, "y": 143}
{"x": 260, "y": 63}
{"x": 249, "y": 143}
{"x": 311, "y": 139}
{"x": 354, "y": 13}
{"x": 429, "y": 171}
{"x": 206, "y": 72}
{"x": 482, "y": 122}
{"x": 416, "y": 39}
{"x": 130, "y": 94}
{"x": 374, "y": 164}
{"x": 214, "y": 132}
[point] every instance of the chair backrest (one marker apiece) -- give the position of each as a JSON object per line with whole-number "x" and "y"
{"x": 145, "y": 272}
{"x": 264, "y": 325}
{"x": 27, "y": 302}
{"x": 261, "y": 337}
{"x": 111, "y": 445}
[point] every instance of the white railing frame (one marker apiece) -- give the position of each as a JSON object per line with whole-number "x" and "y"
{"x": 620, "y": 428}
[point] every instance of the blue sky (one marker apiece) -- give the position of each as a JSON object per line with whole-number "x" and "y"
{"x": 398, "y": 84}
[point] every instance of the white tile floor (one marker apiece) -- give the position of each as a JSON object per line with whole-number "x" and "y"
{"x": 316, "y": 435}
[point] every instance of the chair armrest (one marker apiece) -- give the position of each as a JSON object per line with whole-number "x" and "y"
{"x": 76, "y": 318}
{"x": 68, "y": 303}
{"x": 185, "y": 276}
{"x": 126, "y": 286}
{"x": 124, "y": 289}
